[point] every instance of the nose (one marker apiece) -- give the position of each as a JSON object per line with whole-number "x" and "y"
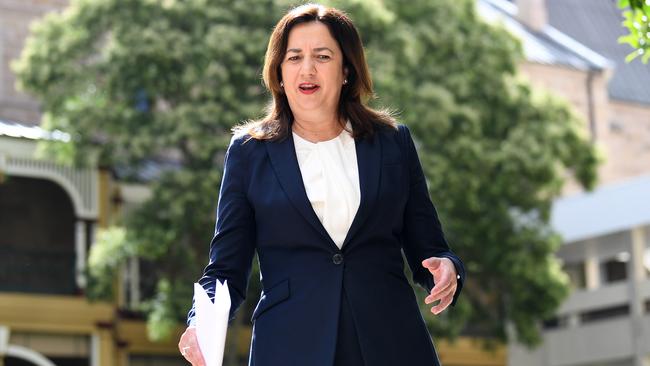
{"x": 307, "y": 67}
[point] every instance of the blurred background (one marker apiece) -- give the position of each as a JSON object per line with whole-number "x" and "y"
{"x": 532, "y": 128}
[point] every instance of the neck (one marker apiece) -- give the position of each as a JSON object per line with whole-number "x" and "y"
{"x": 317, "y": 130}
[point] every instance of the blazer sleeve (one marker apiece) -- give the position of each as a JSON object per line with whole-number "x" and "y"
{"x": 233, "y": 244}
{"x": 422, "y": 235}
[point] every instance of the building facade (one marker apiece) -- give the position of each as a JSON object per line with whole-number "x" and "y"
{"x": 49, "y": 217}
{"x": 571, "y": 50}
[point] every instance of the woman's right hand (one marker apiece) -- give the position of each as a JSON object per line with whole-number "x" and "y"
{"x": 189, "y": 347}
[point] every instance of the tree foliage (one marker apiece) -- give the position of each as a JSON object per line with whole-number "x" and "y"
{"x": 637, "y": 22}
{"x": 495, "y": 153}
{"x": 142, "y": 80}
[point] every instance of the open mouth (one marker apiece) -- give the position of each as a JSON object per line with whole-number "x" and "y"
{"x": 308, "y": 88}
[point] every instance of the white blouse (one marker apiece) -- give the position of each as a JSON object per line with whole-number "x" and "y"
{"x": 331, "y": 178}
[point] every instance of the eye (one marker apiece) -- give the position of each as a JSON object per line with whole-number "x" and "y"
{"x": 323, "y": 57}
{"x": 293, "y": 58}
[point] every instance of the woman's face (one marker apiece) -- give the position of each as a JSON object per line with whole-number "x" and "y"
{"x": 312, "y": 70}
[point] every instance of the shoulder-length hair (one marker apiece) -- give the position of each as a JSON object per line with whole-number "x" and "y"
{"x": 354, "y": 95}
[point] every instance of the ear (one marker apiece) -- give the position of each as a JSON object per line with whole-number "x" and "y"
{"x": 345, "y": 71}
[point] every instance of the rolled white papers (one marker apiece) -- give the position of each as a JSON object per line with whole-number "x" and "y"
{"x": 212, "y": 321}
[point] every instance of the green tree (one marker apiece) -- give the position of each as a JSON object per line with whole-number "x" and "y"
{"x": 495, "y": 154}
{"x": 637, "y": 22}
{"x": 139, "y": 79}
{"x": 136, "y": 80}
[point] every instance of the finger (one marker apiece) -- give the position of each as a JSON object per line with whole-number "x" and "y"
{"x": 441, "y": 294}
{"x": 440, "y": 286}
{"x": 195, "y": 358}
{"x": 444, "y": 276}
{"x": 185, "y": 346}
{"x": 440, "y": 297}
{"x": 432, "y": 263}
{"x": 444, "y": 303}
{"x": 189, "y": 355}
{"x": 189, "y": 348}
{"x": 195, "y": 361}
{"x": 192, "y": 353}
{"x": 200, "y": 357}
{"x": 183, "y": 352}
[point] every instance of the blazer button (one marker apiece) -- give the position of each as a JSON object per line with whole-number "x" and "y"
{"x": 337, "y": 258}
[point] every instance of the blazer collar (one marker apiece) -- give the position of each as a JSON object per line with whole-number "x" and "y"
{"x": 285, "y": 163}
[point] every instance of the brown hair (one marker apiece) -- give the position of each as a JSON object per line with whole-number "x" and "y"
{"x": 354, "y": 95}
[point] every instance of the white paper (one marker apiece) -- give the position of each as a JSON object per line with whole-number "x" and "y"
{"x": 212, "y": 321}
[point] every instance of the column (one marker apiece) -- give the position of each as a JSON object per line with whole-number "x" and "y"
{"x": 4, "y": 343}
{"x": 133, "y": 281}
{"x": 592, "y": 265}
{"x": 637, "y": 275}
{"x": 80, "y": 251}
{"x": 102, "y": 347}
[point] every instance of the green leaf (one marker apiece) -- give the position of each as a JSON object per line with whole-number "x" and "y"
{"x": 632, "y": 55}
{"x": 646, "y": 57}
{"x": 629, "y": 39}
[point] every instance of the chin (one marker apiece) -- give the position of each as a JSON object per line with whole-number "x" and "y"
{"x": 311, "y": 106}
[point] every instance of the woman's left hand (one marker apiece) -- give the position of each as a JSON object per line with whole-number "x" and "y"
{"x": 444, "y": 277}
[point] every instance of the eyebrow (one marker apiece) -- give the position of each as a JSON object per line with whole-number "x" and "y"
{"x": 318, "y": 49}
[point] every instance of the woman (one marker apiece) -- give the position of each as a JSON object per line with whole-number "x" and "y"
{"x": 328, "y": 192}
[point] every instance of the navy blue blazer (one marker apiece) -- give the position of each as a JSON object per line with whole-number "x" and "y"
{"x": 263, "y": 207}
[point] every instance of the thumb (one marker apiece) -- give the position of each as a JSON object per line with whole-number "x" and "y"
{"x": 432, "y": 263}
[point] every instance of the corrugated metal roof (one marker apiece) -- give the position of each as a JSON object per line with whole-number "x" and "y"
{"x": 19, "y": 130}
{"x": 597, "y": 24}
{"x": 609, "y": 209}
{"x": 549, "y": 46}
{"x": 148, "y": 170}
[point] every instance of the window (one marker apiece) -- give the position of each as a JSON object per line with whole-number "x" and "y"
{"x": 615, "y": 269}
{"x": 606, "y": 313}
{"x": 559, "y": 321}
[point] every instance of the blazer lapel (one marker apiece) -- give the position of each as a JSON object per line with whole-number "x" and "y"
{"x": 369, "y": 165}
{"x": 285, "y": 163}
